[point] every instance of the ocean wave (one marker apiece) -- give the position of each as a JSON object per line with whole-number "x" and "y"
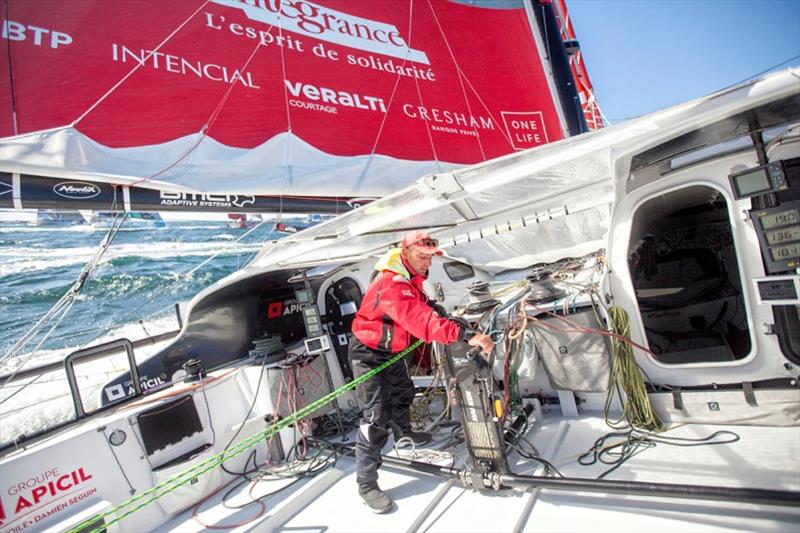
{"x": 47, "y": 401}
{"x": 78, "y": 228}
{"x": 30, "y": 259}
{"x": 115, "y": 284}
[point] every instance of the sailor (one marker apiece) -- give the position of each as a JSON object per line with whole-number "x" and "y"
{"x": 393, "y": 311}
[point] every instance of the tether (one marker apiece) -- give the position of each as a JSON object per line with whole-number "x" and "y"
{"x": 93, "y": 524}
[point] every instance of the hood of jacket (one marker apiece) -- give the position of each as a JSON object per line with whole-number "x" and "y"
{"x": 392, "y": 260}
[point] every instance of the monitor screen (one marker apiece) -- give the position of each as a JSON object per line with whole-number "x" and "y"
{"x": 303, "y": 296}
{"x": 752, "y": 183}
{"x": 169, "y": 424}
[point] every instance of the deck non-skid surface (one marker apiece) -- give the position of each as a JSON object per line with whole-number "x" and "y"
{"x": 763, "y": 457}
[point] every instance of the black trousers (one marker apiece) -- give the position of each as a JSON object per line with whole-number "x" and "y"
{"x": 386, "y": 402}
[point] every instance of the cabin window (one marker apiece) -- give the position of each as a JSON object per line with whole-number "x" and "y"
{"x": 458, "y": 271}
{"x": 683, "y": 266}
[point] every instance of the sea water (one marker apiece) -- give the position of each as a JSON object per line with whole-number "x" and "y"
{"x": 131, "y": 294}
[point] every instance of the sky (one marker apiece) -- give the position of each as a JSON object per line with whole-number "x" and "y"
{"x": 646, "y": 55}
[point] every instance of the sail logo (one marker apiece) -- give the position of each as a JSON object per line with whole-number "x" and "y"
{"x": 76, "y": 190}
{"x": 526, "y": 129}
{"x": 189, "y": 199}
{"x": 331, "y": 96}
{"x": 325, "y": 24}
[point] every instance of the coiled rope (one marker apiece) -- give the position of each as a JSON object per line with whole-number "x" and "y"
{"x": 97, "y": 523}
{"x": 626, "y": 377}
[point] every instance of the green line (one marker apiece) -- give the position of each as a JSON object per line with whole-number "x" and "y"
{"x": 215, "y": 460}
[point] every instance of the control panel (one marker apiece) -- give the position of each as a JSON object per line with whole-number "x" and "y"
{"x": 759, "y": 180}
{"x": 778, "y": 230}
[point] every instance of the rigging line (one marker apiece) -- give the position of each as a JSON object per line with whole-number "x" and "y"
{"x": 212, "y": 118}
{"x": 105, "y": 329}
{"x": 60, "y": 307}
{"x": 486, "y": 108}
{"x": 98, "y": 328}
{"x": 29, "y": 356}
{"x": 218, "y": 110}
{"x": 286, "y": 101}
{"x": 20, "y": 389}
{"x": 140, "y": 64}
{"x": 773, "y": 67}
{"x": 363, "y": 176}
{"x": 419, "y": 92}
{"x": 254, "y": 254}
{"x": 11, "y": 76}
{"x": 460, "y": 80}
{"x": 70, "y": 294}
{"x": 192, "y": 271}
{"x": 60, "y": 311}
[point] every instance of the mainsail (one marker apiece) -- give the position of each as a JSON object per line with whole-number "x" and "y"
{"x": 265, "y": 105}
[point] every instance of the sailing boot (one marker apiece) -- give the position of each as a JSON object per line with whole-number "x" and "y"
{"x": 418, "y": 438}
{"x": 375, "y": 498}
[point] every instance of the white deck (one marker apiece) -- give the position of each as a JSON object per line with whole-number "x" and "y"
{"x": 764, "y": 457}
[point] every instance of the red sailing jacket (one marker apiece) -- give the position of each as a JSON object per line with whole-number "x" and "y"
{"x": 395, "y": 308}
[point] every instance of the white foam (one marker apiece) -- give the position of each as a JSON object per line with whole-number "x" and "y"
{"x": 47, "y": 401}
{"x": 27, "y": 259}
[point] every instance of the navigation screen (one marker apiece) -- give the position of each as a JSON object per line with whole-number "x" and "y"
{"x": 782, "y": 235}
{"x": 780, "y": 218}
{"x": 753, "y": 182}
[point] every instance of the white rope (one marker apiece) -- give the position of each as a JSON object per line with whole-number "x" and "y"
{"x": 288, "y": 155}
{"x": 60, "y": 309}
{"x": 251, "y": 230}
{"x": 460, "y": 79}
{"x": 485, "y": 107}
{"x": 134, "y": 69}
{"x": 419, "y": 92}
{"x": 363, "y": 175}
{"x": 212, "y": 118}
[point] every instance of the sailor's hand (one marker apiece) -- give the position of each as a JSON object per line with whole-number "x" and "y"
{"x": 484, "y": 342}
{"x": 439, "y": 309}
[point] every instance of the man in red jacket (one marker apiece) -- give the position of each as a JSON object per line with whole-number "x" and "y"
{"x": 395, "y": 310}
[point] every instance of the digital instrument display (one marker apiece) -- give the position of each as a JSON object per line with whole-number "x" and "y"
{"x": 783, "y": 289}
{"x": 312, "y": 321}
{"x": 760, "y": 180}
{"x": 778, "y": 290}
{"x": 777, "y": 219}
{"x": 752, "y": 183}
{"x": 786, "y": 252}
{"x": 782, "y": 235}
{"x": 778, "y": 230}
{"x": 317, "y": 345}
{"x": 303, "y": 296}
